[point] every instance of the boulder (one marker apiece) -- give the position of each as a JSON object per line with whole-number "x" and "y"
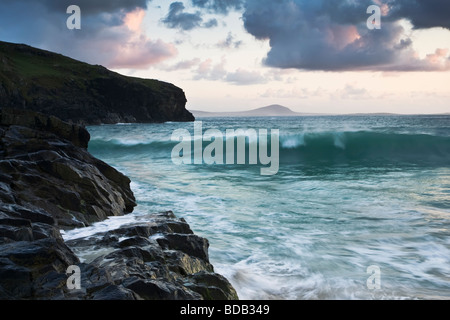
{"x": 45, "y": 165}
{"x": 134, "y": 259}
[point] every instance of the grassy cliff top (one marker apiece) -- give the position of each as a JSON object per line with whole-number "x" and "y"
{"x": 49, "y": 68}
{"x": 79, "y": 92}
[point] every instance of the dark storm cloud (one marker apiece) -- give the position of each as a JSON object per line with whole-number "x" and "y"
{"x": 423, "y": 14}
{"x": 219, "y": 6}
{"x": 177, "y": 18}
{"x": 105, "y": 36}
{"x": 328, "y": 35}
{"x": 89, "y": 7}
{"x": 333, "y": 36}
{"x": 211, "y": 23}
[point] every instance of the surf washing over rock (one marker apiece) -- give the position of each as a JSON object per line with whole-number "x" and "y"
{"x": 352, "y": 192}
{"x": 51, "y": 186}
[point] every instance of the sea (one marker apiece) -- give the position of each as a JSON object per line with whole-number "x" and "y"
{"x": 358, "y": 209}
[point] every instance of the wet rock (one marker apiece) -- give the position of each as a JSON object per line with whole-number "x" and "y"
{"x": 45, "y": 165}
{"x": 49, "y": 183}
{"x": 148, "y": 258}
{"x": 191, "y": 244}
{"x": 114, "y": 292}
{"x": 212, "y": 286}
{"x": 34, "y": 269}
{"x": 157, "y": 290}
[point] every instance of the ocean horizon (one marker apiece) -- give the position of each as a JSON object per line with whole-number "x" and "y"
{"x": 352, "y": 194}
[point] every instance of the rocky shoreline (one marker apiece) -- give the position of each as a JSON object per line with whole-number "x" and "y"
{"x": 49, "y": 184}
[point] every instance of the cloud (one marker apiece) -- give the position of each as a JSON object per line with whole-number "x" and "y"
{"x": 211, "y": 23}
{"x": 324, "y": 35}
{"x": 111, "y": 31}
{"x": 178, "y": 19}
{"x": 141, "y": 53}
{"x": 133, "y": 20}
{"x": 229, "y": 42}
{"x": 423, "y": 14}
{"x": 244, "y": 77}
{"x": 353, "y": 92}
{"x": 183, "y": 65}
{"x": 96, "y": 7}
{"x": 333, "y": 36}
{"x": 219, "y": 6}
{"x": 350, "y": 91}
{"x": 295, "y": 93}
{"x": 208, "y": 71}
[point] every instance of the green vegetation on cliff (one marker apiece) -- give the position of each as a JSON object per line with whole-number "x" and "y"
{"x": 74, "y": 91}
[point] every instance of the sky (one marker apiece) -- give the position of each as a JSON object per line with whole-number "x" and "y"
{"x": 313, "y": 56}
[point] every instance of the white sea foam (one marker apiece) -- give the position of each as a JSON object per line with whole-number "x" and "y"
{"x": 292, "y": 142}
{"x": 311, "y": 231}
{"x": 109, "y": 224}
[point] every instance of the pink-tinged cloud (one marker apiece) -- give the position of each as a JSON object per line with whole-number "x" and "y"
{"x": 323, "y": 35}
{"x": 440, "y": 60}
{"x": 340, "y": 36}
{"x": 385, "y": 8}
{"x": 136, "y": 51}
{"x": 244, "y": 77}
{"x": 205, "y": 67}
{"x": 141, "y": 54}
{"x": 133, "y": 20}
{"x": 209, "y": 71}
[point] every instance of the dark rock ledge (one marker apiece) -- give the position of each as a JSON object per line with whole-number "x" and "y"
{"x": 49, "y": 183}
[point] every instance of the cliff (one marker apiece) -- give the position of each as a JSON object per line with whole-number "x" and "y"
{"x": 49, "y": 183}
{"x": 81, "y": 93}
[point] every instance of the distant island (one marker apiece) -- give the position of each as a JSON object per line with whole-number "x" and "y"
{"x": 274, "y": 110}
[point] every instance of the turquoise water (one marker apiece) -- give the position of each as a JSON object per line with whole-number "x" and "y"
{"x": 351, "y": 192}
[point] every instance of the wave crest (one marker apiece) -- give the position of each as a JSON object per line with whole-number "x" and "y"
{"x": 362, "y": 147}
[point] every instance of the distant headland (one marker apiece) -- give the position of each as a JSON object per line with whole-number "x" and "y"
{"x": 276, "y": 110}
{"x": 81, "y": 93}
